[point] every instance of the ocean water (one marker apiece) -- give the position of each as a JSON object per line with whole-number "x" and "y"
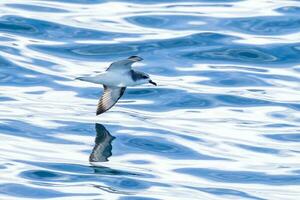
{"x": 223, "y": 122}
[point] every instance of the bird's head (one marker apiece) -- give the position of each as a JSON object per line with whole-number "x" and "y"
{"x": 144, "y": 78}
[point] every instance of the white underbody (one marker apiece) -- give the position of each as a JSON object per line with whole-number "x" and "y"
{"x": 119, "y": 74}
{"x": 112, "y": 78}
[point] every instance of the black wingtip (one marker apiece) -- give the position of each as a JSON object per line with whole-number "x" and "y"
{"x": 135, "y": 58}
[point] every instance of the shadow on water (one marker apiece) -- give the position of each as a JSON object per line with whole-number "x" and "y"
{"x": 101, "y": 152}
{"x": 102, "y": 149}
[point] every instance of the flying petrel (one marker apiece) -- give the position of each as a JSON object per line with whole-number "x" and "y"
{"x": 115, "y": 79}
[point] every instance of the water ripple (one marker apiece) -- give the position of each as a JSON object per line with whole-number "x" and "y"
{"x": 223, "y": 122}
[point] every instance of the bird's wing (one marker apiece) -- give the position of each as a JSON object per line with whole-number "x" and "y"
{"x": 109, "y": 98}
{"x": 103, "y": 147}
{"x": 124, "y": 65}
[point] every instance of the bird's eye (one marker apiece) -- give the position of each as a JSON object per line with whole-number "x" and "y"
{"x": 144, "y": 77}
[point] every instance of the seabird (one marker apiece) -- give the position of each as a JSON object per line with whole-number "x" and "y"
{"x": 115, "y": 79}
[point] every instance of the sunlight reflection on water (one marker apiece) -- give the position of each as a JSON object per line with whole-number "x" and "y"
{"x": 222, "y": 124}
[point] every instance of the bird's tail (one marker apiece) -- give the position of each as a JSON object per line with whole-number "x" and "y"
{"x": 88, "y": 79}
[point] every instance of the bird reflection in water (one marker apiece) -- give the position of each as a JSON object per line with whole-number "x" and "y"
{"x": 101, "y": 152}
{"x": 102, "y": 149}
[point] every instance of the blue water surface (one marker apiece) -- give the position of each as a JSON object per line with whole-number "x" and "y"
{"x": 223, "y": 122}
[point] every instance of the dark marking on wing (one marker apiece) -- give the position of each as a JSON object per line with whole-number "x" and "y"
{"x": 109, "y": 98}
{"x": 124, "y": 64}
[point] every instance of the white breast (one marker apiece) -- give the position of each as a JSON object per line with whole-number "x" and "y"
{"x": 115, "y": 78}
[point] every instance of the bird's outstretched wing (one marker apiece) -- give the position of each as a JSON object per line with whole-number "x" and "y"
{"x": 124, "y": 65}
{"x": 103, "y": 147}
{"x": 109, "y": 98}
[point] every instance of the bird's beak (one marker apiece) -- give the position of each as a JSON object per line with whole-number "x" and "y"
{"x": 153, "y": 83}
